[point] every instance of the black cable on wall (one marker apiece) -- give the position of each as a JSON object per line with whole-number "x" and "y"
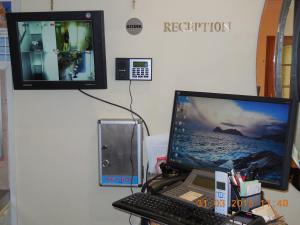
{"x": 116, "y": 105}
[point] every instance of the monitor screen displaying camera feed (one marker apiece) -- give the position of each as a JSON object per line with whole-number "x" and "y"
{"x": 56, "y": 50}
{"x": 222, "y": 133}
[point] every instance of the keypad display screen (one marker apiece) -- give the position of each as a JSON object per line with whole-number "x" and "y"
{"x": 140, "y": 64}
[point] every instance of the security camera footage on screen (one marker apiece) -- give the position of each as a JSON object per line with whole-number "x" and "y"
{"x": 248, "y": 136}
{"x": 56, "y": 50}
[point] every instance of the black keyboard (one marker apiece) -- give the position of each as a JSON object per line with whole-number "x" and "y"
{"x": 168, "y": 210}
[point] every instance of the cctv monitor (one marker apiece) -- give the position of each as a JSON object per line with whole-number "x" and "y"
{"x": 253, "y": 135}
{"x": 57, "y": 50}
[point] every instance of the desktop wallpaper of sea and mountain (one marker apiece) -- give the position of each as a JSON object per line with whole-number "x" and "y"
{"x": 248, "y": 136}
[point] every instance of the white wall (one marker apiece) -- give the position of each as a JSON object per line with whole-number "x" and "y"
{"x": 55, "y": 131}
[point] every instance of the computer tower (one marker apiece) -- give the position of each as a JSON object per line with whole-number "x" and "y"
{"x": 120, "y": 152}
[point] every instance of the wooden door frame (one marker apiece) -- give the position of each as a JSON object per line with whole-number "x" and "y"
{"x": 270, "y": 64}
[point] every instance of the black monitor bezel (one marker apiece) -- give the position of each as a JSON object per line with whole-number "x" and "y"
{"x": 97, "y": 19}
{"x": 289, "y": 140}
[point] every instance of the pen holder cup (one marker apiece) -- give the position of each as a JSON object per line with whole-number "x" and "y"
{"x": 246, "y": 203}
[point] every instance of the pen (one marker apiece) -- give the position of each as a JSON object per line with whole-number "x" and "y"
{"x": 239, "y": 178}
{"x": 233, "y": 178}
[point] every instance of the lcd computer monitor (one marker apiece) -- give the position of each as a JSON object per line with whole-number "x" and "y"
{"x": 253, "y": 135}
{"x": 57, "y": 50}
